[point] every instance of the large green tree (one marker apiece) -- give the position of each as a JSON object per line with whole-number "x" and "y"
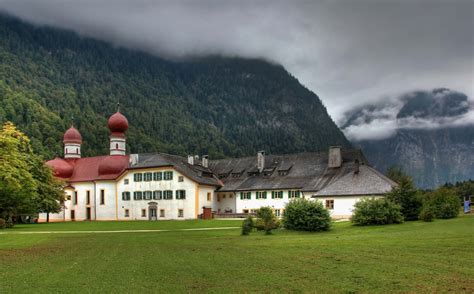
{"x": 27, "y": 185}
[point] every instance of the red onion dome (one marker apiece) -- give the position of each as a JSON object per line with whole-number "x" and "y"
{"x": 61, "y": 168}
{"x": 118, "y": 123}
{"x": 113, "y": 164}
{"x": 72, "y": 135}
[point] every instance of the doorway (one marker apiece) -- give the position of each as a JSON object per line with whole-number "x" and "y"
{"x": 88, "y": 213}
{"x": 73, "y": 215}
{"x": 152, "y": 213}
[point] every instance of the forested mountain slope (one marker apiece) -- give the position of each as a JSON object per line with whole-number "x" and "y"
{"x": 217, "y": 106}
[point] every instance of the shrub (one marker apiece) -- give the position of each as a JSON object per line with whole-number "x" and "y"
{"x": 444, "y": 202}
{"x": 381, "y": 211}
{"x": 266, "y": 220}
{"x": 408, "y": 197}
{"x": 427, "y": 213}
{"x": 306, "y": 215}
{"x": 9, "y": 223}
{"x": 3, "y": 224}
{"x": 247, "y": 226}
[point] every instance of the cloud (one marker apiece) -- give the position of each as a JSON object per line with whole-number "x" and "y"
{"x": 348, "y": 52}
{"x": 422, "y": 110}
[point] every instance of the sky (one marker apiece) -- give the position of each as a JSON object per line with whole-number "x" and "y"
{"x": 349, "y": 52}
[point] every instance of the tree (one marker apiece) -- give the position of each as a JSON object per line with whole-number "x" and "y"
{"x": 444, "y": 202}
{"x": 397, "y": 174}
{"x": 266, "y": 220}
{"x": 407, "y": 196}
{"x": 17, "y": 185}
{"x": 50, "y": 191}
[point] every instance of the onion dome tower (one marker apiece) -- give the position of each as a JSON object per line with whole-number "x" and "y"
{"x": 72, "y": 143}
{"x": 118, "y": 125}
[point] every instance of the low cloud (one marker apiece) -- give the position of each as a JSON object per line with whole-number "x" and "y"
{"x": 422, "y": 110}
{"x": 348, "y": 52}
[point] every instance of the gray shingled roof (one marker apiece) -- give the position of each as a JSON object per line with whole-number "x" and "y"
{"x": 195, "y": 172}
{"x": 307, "y": 172}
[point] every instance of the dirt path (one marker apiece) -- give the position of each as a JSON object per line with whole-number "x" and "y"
{"x": 117, "y": 231}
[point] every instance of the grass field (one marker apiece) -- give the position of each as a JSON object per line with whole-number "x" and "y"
{"x": 412, "y": 257}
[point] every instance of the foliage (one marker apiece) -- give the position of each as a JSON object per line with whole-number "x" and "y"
{"x": 3, "y": 224}
{"x": 27, "y": 185}
{"x": 306, "y": 215}
{"x": 427, "y": 213}
{"x": 407, "y": 196}
{"x": 217, "y": 106}
{"x": 396, "y": 174}
{"x": 444, "y": 202}
{"x": 247, "y": 225}
{"x": 463, "y": 189}
{"x": 376, "y": 211}
{"x": 266, "y": 220}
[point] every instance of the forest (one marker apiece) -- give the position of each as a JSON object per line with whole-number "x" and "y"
{"x": 50, "y": 79}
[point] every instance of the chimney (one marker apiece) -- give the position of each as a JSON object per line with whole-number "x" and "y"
{"x": 190, "y": 159}
{"x": 260, "y": 161}
{"x": 356, "y": 166}
{"x": 334, "y": 157}
{"x": 205, "y": 161}
{"x": 196, "y": 159}
{"x": 133, "y": 159}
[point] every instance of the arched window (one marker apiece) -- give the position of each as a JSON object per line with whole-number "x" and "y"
{"x": 116, "y": 146}
{"x": 77, "y": 150}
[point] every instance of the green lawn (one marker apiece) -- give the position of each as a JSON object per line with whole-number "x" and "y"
{"x": 412, "y": 257}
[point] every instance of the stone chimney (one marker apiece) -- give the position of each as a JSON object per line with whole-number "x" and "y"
{"x": 191, "y": 159}
{"x": 334, "y": 157}
{"x": 205, "y": 161}
{"x": 260, "y": 161}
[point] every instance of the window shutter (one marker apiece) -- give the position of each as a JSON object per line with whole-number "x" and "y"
{"x": 241, "y": 196}
{"x": 273, "y": 194}
{"x": 265, "y": 195}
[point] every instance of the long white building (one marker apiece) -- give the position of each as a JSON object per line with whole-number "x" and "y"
{"x": 162, "y": 186}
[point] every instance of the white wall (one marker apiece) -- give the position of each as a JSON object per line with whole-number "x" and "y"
{"x": 254, "y": 203}
{"x": 170, "y": 206}
{"x": 343, "y": 205}
{"x": 226, "y": 201}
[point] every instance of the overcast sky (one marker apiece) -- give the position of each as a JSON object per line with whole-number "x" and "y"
{"x": 348, "y": 52}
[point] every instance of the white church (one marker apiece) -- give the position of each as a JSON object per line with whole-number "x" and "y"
{"x": 159, "y": 186}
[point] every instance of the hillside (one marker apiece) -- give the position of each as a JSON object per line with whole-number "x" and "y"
{"x": 431, "y": 142}
{"x": 215, "y": 105}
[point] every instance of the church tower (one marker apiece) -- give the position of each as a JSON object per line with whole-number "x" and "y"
{"x": 72, "y": 143}
{"x": 118, "y": 125}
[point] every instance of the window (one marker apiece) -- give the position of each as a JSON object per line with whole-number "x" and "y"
{"x": 147, "y": 195}
{"x": 223, "y": 196}
{"x": 88, "y": 197}
{"x": 157, "y": 195}
{"x": 330, "y": 204}
{"x": 126, "y": 213}
{"x": 143, "y": 212}
{"x": 282, "y": 173}
{"x": 180, "y": 179}
{"x": 157, "y": 176}
{"x": 277, "y": 212}
{"x": 209, "y": 196}
{"x": 180, "y": 213}
{"x": 125, "y": 196}
{"x": 277, "y": 194}
{"x": 167, "y": 175}
{"x": 231, "y": 196}
{"x": 74, "y": 199}
{"x": 180, "y": 194}
{"x": 137, "y": 177}
{"x": 68, "y": 197}
{"x": 245, "y": 211}
{"x": 261, "y": 195}
{"x": 137, "y": 195}
{"x": 245, "y": 195}
{"x": 294, "y": 194}
{"x": 162, "y": 213}
{"x": 168, "y": 195}
{"x": 125, "y": 182}
{"x": 147, "y": 177}
{"x": 102, "y": 197}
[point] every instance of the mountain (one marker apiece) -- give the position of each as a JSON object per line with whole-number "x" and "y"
{"x": 214, "y": 105}
{"x": 429, "y": 134}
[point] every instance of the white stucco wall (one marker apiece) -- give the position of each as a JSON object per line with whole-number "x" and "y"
{"x": 253, "y": 203}
{"x": 343, "y": 205}
{"x": 226, "y": 201}
{"x": 171, "y": 207}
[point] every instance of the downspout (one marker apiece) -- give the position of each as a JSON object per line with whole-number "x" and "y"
{"x": 95, "y": 202}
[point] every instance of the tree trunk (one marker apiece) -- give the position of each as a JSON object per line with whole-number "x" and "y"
{"x": 47, "y": 217}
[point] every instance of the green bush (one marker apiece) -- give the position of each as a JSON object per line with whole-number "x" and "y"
{"x": 247, "y": 226}
{"x": 306, "y": 215}
{"x": 444, "y": 202}
{"x": 427, "y": 213}
{"x": 408, "y": 197}
{"x": 266, "y": 220}
{"x": 3, "y": 224}
{"x": 372, "y": 211}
